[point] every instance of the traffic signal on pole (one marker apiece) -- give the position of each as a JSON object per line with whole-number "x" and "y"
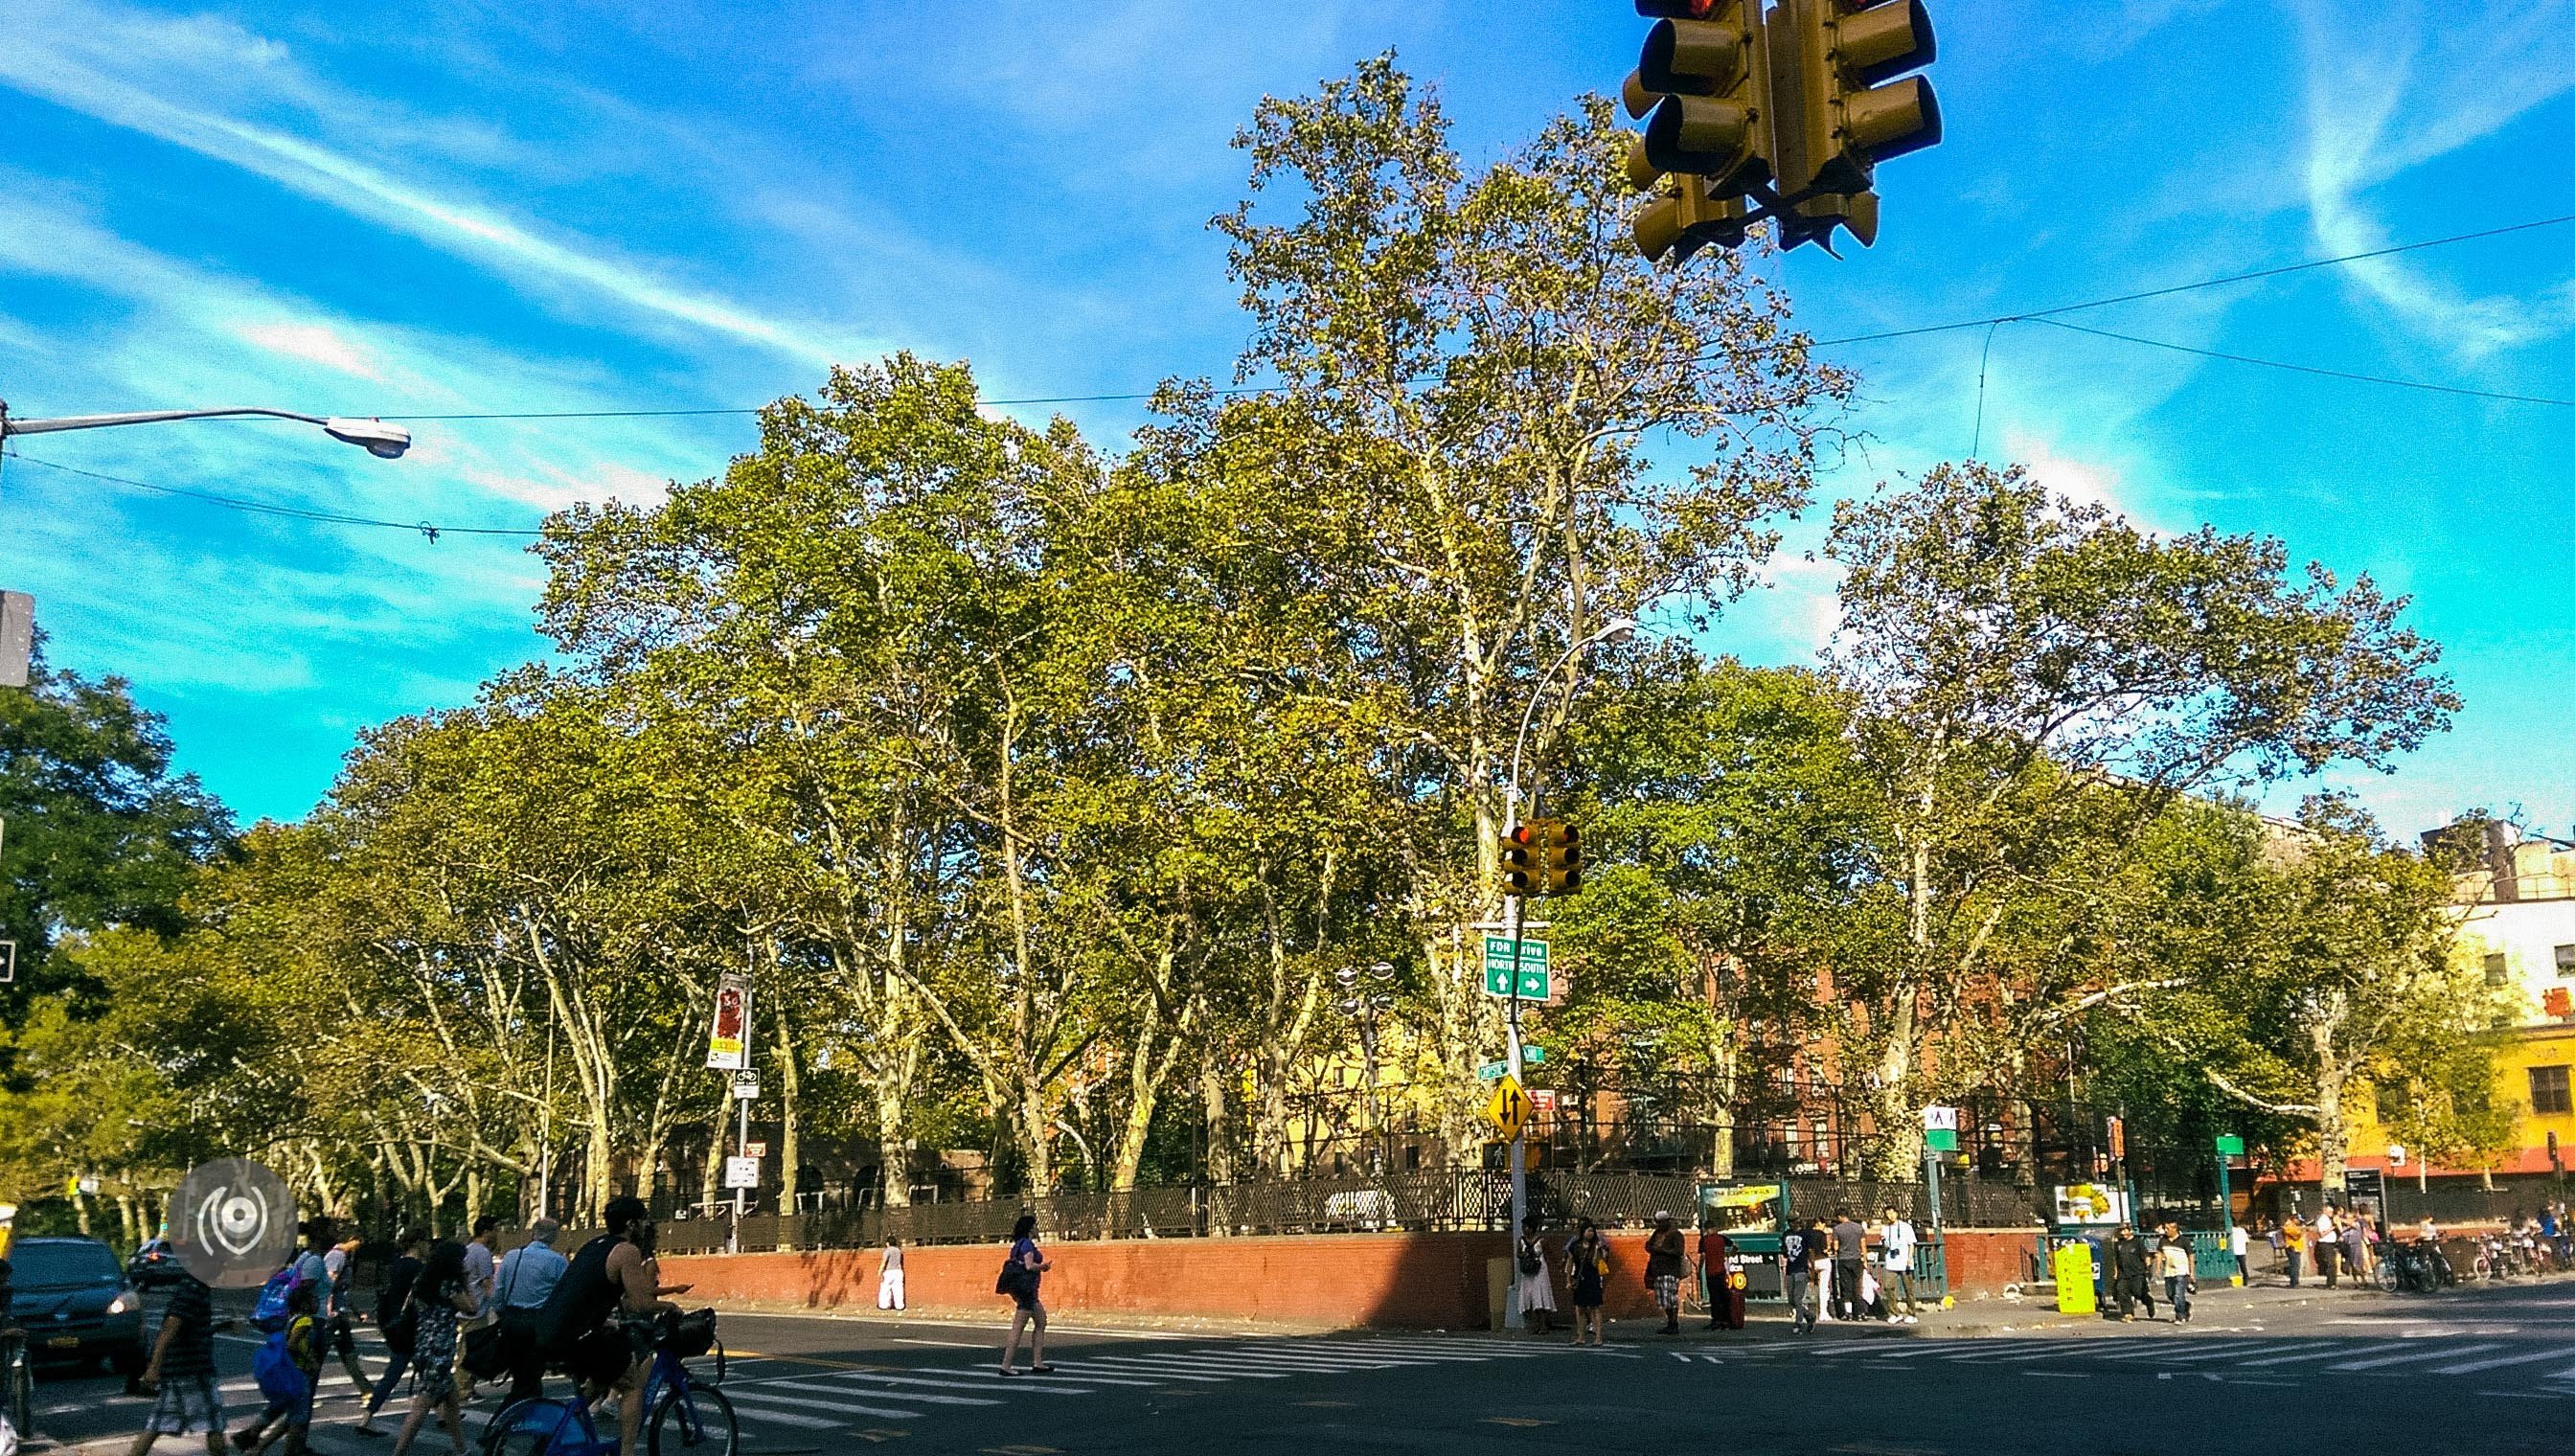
{"x": 1543, "y": 856}
{"x": 1701, "y": 87}
{"x": 1843, "y": 104}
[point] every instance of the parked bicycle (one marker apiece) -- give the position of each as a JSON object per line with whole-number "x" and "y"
{"x": 681, "y": 1413}
{"x": 2415, "y": 1269}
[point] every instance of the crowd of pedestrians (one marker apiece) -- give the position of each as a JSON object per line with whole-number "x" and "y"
{"x": 435, "y": 1302}
{"x": 1849, "y": 1269}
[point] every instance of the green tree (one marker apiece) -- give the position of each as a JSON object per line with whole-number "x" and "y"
{"x": 1449, "y": 472}
{"x": 96, "y": 829}
{"x": 1724, "y": 822}
{"x": 2035, "y": 681}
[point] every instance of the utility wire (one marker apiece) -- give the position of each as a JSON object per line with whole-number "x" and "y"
{"x": 270, "y": 507}
{"x": 2047, "y": 316}
{"x": 2342, "y": 374}
{"x": 1988, "y": 322}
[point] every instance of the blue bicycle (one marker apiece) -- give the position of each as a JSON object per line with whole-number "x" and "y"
{"x": 682, "y": 1414}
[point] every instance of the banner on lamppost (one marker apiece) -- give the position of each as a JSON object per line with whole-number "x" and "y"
{"x": 729, "y": 1043}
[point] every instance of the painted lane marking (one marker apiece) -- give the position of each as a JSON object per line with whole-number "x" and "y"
{"x": 2385, "y": 1360}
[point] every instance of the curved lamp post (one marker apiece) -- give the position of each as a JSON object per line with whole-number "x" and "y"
{"x": 1617, "y": 628}
{"x": 377, "y": 438}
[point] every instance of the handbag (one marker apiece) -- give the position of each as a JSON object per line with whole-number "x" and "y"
{"x": 484, "y": 1358}
{"x": 1014, "y": 1277}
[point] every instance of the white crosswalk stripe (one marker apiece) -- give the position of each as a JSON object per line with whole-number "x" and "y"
{"x": 2382, "y": 1361}
{"x": 1198, "y": 1367}
{"x": 2557, "y": 1352}
{"x": 777, "y": 1388}
{"x": 907, "y": 1383}
{"x": 1170, "y": 1370}
{"x": 757, "y": 1410}
{"x": 2302, "y": 1356}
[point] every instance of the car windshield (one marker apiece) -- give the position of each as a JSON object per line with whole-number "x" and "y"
{"x": 33, "y": 1265}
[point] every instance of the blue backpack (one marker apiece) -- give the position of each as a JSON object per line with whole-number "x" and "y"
{"x": 280, "y": 1378}
{"x": 270, "y": 1314}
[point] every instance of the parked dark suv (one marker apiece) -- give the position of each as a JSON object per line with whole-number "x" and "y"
{"x": 71, "y": 1297}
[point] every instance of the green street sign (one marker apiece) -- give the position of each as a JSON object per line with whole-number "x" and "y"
{"x": 1535, "y": 984}
{"x": 1533, "y": 1056}
{"x": 1492, "y": 1072}
{"x": 2229, "y": 1145}
{"x": 1940, "y": 1139}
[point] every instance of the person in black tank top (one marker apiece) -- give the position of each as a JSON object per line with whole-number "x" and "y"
{"x": 584, "y": 1299}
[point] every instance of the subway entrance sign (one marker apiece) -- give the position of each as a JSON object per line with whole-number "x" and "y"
{"x": 1535, "y": 984}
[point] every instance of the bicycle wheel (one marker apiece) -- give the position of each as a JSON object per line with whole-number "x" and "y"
{"x": 21, "y": 1397}
{"x": 698, "y": 1420}
{"x": 530, "y": 1428}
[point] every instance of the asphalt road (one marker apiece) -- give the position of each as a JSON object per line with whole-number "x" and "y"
{"x": 2484, "y": 1370}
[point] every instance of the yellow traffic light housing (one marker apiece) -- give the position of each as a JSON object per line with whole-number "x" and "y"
{"x": 1689, "y": 219}
{"x": 1543, "y": 856}
{"x": 1701, "y": 87}
{"x": 1842, "y": 105}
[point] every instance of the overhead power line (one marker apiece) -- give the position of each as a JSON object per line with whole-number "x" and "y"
{"x": 270, "y": 507}
{"x": 1917, "y": 330}
{"x": 2049, "y": 316}
{"x": 2343, "y": 373}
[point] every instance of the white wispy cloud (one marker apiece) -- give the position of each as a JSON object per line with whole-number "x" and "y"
{"x": 2390, "y": 89}
{"x": 204, "y": 83}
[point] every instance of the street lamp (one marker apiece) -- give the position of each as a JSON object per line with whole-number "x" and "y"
{"x": 1364, "y": 1004}
{"x": 386, "y": 441}
{"x": 1616, "y": 629}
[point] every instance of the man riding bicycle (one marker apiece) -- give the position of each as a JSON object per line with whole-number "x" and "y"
{"x": 599, "y": 1324}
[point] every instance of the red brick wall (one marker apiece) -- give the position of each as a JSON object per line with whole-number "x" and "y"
{"x": 1409, "y": 1281}
{"x": 1983, "y": 1260}
{"x": 1420, "y": 1282}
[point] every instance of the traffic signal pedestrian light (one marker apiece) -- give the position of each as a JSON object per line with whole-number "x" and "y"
{"x": 1543, "y": 856}
{"x": 1843, "y": 104}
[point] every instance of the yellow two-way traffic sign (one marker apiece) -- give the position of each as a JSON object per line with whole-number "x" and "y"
{"x": 1509, "y": 1108}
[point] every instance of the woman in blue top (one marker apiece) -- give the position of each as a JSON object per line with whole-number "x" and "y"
{"x": 1020, "y": 1272}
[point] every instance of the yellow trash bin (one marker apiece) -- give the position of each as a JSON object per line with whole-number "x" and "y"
{"x": 2072, "y": 1265}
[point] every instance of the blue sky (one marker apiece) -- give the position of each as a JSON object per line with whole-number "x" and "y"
{"x": 456, "y": 207}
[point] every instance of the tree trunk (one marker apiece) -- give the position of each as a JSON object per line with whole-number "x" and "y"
{"x": 2333, "y": 1133}
{"x": 894, "y": 1148}
{"x": 790, "y": 1149}
{"x": 711, "y": 1177}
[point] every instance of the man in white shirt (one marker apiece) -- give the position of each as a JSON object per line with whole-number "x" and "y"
{"x": 2328, "y": 1246}
{"x": 2239, "y": 1242}
{"x": 478, "y": 1282}
{"x": 1898, "y": 1240}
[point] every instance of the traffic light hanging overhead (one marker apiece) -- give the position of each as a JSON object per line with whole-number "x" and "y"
{"x": 1701, "y": 87}
{"x": 1782, "y": 116}
{"x": 1844, "y": 105}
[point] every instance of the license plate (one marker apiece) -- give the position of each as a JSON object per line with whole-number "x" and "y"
{"x": 63, "y": 1342}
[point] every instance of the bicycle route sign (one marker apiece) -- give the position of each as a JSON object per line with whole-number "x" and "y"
{"x": 1535, "y": 982}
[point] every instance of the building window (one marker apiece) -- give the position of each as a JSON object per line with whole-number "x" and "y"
{"x": 2548, "y": 1090}
{"x": 2496, "y": 972}
{"x": 2567, "y": 961}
